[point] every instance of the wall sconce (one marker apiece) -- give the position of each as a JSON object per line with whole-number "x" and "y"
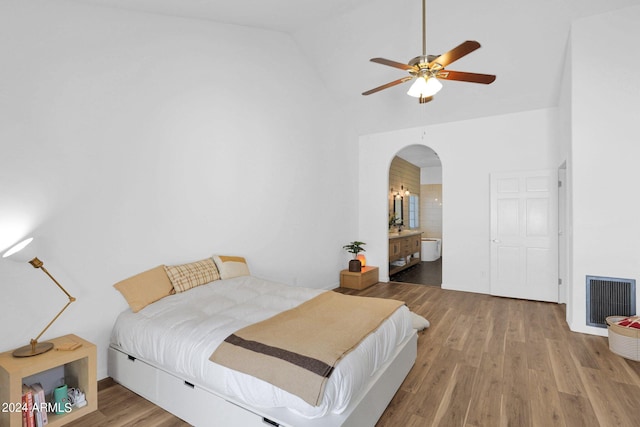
{"x": 402, "y": 192}
{"x": 21, "y": 253}
{"x": 399, "y": 194}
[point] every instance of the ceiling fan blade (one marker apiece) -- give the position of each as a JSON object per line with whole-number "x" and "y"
{"x": 393, "y": 64}
{"x": 466, "y": 77}
{"x": 455, "y": 54}
{"x": 388, "y": 85}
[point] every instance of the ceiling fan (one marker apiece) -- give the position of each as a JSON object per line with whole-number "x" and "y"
{"x": 427, "y": 69}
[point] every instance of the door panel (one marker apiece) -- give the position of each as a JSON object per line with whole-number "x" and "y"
{"x": 524, "y": 233}
{"x": 508, "y": 217}
{"x": 537, "y": 218}
{"x": 507, "y": 262}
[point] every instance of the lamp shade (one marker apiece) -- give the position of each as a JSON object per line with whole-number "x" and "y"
{"x": 362, "y": 259}
{"x": 23, "y": 251}
{"x": 424, "y": 87}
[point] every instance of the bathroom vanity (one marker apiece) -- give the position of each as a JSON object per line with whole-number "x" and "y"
{"x": 404, "y": 250}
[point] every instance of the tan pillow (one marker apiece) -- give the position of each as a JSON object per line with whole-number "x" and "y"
{"x": 144, "y": 288}
{"x": 231, "y": 266}
{"x": 188, "y": 276}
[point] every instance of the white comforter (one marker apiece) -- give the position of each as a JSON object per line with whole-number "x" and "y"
{"x": 179, "y": 333}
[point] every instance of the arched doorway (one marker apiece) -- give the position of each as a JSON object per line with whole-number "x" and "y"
{"x": 415, "y": 216}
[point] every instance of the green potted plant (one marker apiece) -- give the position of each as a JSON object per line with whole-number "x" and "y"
{"x": 355, "y": 248}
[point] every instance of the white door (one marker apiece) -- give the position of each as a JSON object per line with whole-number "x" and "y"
{"x": 524, "y": 235}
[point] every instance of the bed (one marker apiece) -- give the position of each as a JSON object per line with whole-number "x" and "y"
{"x": 162, "y": 352}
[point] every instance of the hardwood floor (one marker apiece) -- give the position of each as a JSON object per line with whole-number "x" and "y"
{"x": 425, "y": 273}
{"x": 485, "y": 361}
{"x": 488, "y": 361}
{"x": 120, "y": 407}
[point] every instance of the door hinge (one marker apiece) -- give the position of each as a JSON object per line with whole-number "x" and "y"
{"x": 559, "y": 281}
{"x": 559, "y": 184}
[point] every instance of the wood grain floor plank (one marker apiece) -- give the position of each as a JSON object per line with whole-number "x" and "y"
{"x": 633, "y": 367}
{"x": 515, "y": 322}
{"x": 414, "y": 421}
{"x": 476, "y": 340}
{"x": 538, "y": 356}
{"x": 454, "y": 404}
{"x": 545, "y": 401}
{"x": 435, "y": 384}
{"x": 424, "y": 362}
{"x": 461, "y": 326}
{"x": 534, "y": 312}
{"x": 611, "y": 404}
{"x": 498, "y": 331}
{"x": 577, "y": 411}
{"x": 581, "y": 350}
{"x": 554, "y": 323}
{"x": 599, "y": 358}
{"x": 516, "y": 400}
{"x": 535, "y": 341}
{"x": 564, "y": 368}
{"x": 486, "y": 399}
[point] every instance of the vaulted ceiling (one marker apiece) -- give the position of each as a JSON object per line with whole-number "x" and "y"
{"x": 525, "y": 43}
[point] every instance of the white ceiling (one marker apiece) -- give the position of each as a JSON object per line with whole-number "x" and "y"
{"x": 524, "y": 42}
{"x": 294, "y": 15}
{"x": 278, "y": 15}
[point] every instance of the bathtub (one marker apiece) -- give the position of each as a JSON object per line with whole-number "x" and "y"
{"x": 431, "y": 248}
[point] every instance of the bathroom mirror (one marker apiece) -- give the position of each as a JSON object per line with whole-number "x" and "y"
{"x": 397, "y": 210}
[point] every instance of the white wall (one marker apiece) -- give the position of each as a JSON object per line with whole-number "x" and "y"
{"x": 131, "y": 140}
{"x": 431, "y": 175}
{"x": 469, "y": 152}
{"x": 605, "y": 151}
{"x": 431, "y": 201}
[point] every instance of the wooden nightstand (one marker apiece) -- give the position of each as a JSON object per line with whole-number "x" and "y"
{"x": 361, "y": 280}
{"x": 79, "y": 371}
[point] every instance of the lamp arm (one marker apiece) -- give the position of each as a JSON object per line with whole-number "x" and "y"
{"x": 36, "y": 263}
{"x": 71, "y": 299}
{"x": 35, "y": 340}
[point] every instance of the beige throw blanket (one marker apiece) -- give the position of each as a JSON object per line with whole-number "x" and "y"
{"x": 296, "y": 350}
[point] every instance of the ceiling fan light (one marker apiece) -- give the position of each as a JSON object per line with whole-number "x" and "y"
{"x": 424, "y": 87}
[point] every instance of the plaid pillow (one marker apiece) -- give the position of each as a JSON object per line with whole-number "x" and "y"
{"x": 187, "y": 276}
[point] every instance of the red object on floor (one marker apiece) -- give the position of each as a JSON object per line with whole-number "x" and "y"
{"x": 630, "y": 322}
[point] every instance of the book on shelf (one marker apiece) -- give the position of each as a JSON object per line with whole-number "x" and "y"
{"x": 42, "y": 418}
{"x": 37, "y": 416}
{"x": 28, "y": 420}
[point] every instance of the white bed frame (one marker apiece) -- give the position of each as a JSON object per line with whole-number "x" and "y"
{"x": 202, "y": 407}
